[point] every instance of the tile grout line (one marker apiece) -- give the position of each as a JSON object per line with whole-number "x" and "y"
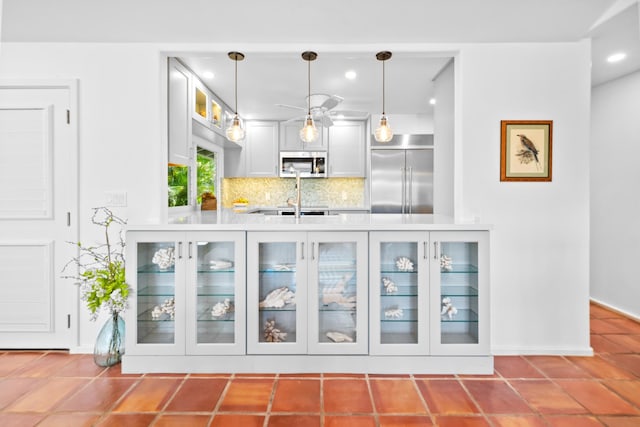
{"x": 270, "y": 403}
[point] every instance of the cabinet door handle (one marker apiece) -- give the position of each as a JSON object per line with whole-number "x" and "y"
{"x": 313, "y": 249}
{"x": 179, "y": 250}
{"x": 190, "y": 250}
{"x": 435, "y": 250}
{"x": 301, "y": 250}
{"x": 426, "y": 250}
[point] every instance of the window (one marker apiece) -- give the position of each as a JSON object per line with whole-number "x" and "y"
{"x": 205, "y": 173}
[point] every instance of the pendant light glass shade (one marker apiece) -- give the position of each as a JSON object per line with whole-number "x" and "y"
{"x": 383, "y": 132}
{"x": 235, "y": 131}
{"x": 309, "y": 132}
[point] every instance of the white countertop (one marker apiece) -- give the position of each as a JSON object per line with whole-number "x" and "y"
{"x": 229, "y": 219}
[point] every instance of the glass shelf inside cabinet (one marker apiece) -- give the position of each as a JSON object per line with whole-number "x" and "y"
{"x": 277, "y": 292}
{"x": 398, "y": 293}
{"x": 337, "y": 292}
{"x": 156, "y": 293}
{"x": 215, "y": 292}
{"x": 459, "y": 293}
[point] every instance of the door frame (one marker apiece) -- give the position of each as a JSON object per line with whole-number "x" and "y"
{"x": 72, "y": 86}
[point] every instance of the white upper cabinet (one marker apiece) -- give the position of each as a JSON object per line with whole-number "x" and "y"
{"x": 290, "y": 138}
{"x": 347, "y": 150}
{"x": 179, "y": 113}
{"x": 258, "y": 156}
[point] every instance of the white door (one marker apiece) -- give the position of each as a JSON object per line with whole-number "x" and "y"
{"x": 38, "y": 199}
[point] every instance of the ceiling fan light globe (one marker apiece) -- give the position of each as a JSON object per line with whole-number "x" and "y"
{"x": 383, "y": 133}
{"x": 235, "y": 132}
{"x": 309, "y": 132}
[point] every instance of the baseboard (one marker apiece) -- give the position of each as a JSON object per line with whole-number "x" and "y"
{"x": 540, "y": 351}
{"x": 615, "y": 309}
{"x": 81, "y": 350}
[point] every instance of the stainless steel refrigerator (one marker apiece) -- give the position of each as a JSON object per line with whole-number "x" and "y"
{"x": 402, "y": 178}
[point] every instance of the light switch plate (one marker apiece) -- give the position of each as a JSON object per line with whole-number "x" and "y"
{"x": 115, "y": 198}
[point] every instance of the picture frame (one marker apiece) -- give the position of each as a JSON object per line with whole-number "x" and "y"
{"x": 526, "y": 150}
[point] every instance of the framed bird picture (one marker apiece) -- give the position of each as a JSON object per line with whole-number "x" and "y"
{"x": 525, "y": 150}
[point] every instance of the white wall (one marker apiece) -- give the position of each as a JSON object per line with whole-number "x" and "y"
{"x": 615, "y": 197}
{"x": 540, "y": 238}
{"x": 443, "y": 141}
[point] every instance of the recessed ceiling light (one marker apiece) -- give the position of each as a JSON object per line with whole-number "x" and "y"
{"x": 432, "y": 101}
{"x": 351, "y": 75}
{"x": 616, "y": 57}
{"x": 207, "y": 75}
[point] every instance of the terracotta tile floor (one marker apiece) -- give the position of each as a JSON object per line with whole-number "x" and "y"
{"x": 49, "y": 388}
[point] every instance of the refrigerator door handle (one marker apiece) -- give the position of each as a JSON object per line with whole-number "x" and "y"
{"x": 403, "y": 176}
{"x": 410, "y": 190}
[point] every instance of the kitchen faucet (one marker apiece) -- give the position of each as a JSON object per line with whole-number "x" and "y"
{"x": 297, "y": 203}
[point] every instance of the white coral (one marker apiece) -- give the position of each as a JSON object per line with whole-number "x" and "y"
{"x": 278, "y": 298}
{"x": 389, "y": 285}
{"x": 273, "y": 334}
{"x": 393, "y": 313}
{"x": 167, "y": 307}
{"x": 446, "y": 263}
{"x": 404, "y": 264}
{"x": 336, "y": 293}
{"x": 448, "y": 308}
{"x": 221, "y": 308}
{"x": 339, "y": 337}
{"x": 164, "y": 258}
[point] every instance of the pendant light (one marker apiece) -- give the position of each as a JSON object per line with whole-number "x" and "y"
{"x": 383, "y": 132}
{"x": 309, "y": 133}
{"x": 235, "y": 132}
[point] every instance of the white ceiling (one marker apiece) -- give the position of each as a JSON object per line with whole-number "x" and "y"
{"x": 295, "y": 26}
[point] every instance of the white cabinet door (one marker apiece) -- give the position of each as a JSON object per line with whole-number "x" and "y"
{"x": 399, "y": 293}
{"x": 276, "y": 293}
{"x": 261, "y": 149}
{"x": 156, "y": 315}
{"x": 179, "y": 113}
{"x": 347, "y": 149}
{"x": 290, "y": 138}
{"x": 338, "y": 296}
{"x": 215, "y": 293}
{"x": 460, "y": 293}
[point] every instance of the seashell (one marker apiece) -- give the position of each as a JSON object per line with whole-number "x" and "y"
{"x": 273, "y": 334}
{"x": 278, "y": 298}
{"x": 156, "y": 313}
{"x": 339, "y": 337}
{"x": 393, "y": 313}
{"x": 404, "y": 264}
{"x": 389, "y": 285}
{"x": 222, "y": 308}
{"x": 220, "y": 264}
{"x": 446, "y": 263}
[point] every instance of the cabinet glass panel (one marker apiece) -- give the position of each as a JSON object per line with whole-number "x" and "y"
{"x": 201, "y": 103}
{"x": 398, "y": 293}
{"x": 156, "y": 293}
{"x": 215, "y": 314}
{"x": 277, "y": 292}
{"x": 337, "y": 292}
{"x": 459, "y": 292}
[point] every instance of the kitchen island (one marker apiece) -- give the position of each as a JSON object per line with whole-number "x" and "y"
{"x": 231, "y": 291}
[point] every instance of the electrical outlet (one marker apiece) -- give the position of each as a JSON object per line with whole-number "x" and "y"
{"x": 267, "y": 196}
{"x": 115, "y": 198}
{"x": 344, "y": 195}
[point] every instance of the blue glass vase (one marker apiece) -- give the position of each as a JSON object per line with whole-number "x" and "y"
{"x": 109, "y": 346}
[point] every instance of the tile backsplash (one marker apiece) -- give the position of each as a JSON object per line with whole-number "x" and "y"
{"x": 334, "y": 192}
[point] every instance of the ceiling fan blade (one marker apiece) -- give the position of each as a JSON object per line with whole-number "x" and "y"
{"x": 331, "y": 102}
{"x": 336, "y": 114}
{"x": 295, "y": 107}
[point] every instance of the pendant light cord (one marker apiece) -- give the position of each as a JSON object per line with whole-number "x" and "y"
{"x": 236, "y": 89}
{"x": 309, "y": 86}
{"x": 383, "y": 79}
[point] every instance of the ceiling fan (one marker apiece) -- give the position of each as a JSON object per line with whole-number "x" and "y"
{"x": 322, "y": 109}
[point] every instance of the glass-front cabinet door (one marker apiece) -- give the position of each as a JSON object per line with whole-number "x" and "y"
{"x": 399, "y": 293}
{"x": 276, "y": 293}
{"x": 338, "y": 306}
{"x": 459, "y": 293}
{"x": 216, "y": 296}
{"x": 155, "y": 272}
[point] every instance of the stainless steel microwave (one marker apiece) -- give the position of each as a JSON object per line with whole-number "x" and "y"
{"x": 310, "y": 164}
